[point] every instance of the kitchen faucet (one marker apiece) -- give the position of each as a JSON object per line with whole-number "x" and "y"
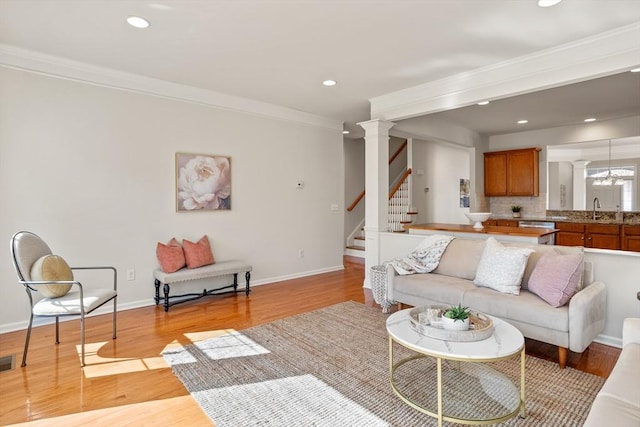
{"x": 596, "y": 204}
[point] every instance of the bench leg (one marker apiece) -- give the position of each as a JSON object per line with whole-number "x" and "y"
{"x": 247, "y": 276}
{"x": 235, "y": 282}
{"x": 157, "y": 298}
{"x": 166, "y": 297}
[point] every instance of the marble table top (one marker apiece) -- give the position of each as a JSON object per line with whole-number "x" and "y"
{"x": 505, "y": 341}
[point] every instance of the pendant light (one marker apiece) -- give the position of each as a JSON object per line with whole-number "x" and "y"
{"x": 610, "y": 178}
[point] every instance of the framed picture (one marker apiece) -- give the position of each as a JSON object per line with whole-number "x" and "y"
{"x": 465, "y": 192}
{"x": 203, "y": 182}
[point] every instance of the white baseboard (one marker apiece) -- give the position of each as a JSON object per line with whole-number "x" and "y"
{"x": 609, "y": 340}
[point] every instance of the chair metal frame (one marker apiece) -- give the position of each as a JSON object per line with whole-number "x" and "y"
{"x": 31, "y": 286}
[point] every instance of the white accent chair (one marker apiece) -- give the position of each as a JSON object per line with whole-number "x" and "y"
{"x": 26, "y": 249}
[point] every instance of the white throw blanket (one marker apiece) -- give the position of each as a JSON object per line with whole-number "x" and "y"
{"x": 424, "y": 258}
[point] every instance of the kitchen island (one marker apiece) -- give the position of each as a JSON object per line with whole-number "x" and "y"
{"x": 508, "y": 234}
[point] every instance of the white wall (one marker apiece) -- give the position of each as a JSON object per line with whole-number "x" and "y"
{"x": 443, "y": 166}
{"x": 353, "y": 183}
{"x": 91, "y": 169}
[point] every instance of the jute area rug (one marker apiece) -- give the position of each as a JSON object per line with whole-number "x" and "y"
{"x": 330, "y": 367}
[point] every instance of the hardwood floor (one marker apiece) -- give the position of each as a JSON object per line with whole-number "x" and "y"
{"x": 126, "y": 380}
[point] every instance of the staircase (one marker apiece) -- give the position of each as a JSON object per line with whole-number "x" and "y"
{"x": 399, "y": 215}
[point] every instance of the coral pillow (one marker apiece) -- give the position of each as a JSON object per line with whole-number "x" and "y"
{"x": 555, "y": 278}
{"x": 52, "y": 267}
{"x": 198, "y": 254}
{"x": 501, "y": 268}
{"x": 170, "y": 256}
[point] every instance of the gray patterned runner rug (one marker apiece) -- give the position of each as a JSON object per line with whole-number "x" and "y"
{"x": 330, "y": 367}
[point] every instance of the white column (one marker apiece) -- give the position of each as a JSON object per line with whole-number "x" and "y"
{"x": 376, "y": 189}
{"x": 580, "y": 184}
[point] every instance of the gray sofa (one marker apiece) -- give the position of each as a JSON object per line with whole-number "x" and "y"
{"x": 572, "y": 326}
{"x": 618, "y": 402}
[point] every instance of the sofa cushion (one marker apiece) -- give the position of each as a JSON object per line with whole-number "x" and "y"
{"x": 501, "y": 268}
{"x": 623, "y": 381}
{"x": 461, "y": 258}
{"x": 555, "y": 278}
{"x": 610, "y": 411}
{"x": 438, "y": 288}
{"x": 525, "y": 308}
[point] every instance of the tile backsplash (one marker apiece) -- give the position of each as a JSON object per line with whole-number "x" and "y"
{"x": 531, "y": 206}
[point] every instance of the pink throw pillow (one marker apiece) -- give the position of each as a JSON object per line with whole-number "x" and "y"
{"x": 198, "y": 254}
{"x": 555, "y": 278}
{"x": 170, "y": 256}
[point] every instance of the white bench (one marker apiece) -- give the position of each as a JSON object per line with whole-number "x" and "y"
{"x": 220, "y": 268}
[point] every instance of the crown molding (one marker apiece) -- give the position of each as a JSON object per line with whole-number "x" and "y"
{"x": 596, "y": 56}
{"x": 18, "y": 58}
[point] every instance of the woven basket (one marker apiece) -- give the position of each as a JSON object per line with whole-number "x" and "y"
{"x": 378, "y": 277}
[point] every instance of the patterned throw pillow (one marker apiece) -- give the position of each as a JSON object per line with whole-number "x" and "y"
{"x": 54, "y": 268}
{"x": 170, "y": 256}
{"x": 501, "y": 268}
{"x": 198, "y": 254}
{"x": 555, "y": 278}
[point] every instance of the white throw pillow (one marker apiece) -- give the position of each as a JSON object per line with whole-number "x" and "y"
{"x": 501, "y": 268}
{"x": 52, "y": 268}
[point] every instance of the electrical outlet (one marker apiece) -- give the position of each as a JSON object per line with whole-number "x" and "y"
{"x": 131, "y": 274}
{"x": 301, "y": 253}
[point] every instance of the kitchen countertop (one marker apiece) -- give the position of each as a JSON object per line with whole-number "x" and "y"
{"x": 489, "y": 229}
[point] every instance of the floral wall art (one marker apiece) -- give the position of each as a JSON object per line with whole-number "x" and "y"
{"x": 203, "y": 182}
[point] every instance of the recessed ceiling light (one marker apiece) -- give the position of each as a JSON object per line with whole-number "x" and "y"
{"x": 548, "y": 3}
{"x": 483, "y": 102}
{"x": 329, "y": 82}
{"x": 590, "y": 119}
{"x": 635, "y": 70}
{"x": 521, "y": 122}
{"x": 138, "y": 22}
{"x": 345, "y": 132}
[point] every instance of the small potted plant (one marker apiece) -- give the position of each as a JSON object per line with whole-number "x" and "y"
{"x": 516, "y": 211}
{"x": 456, "y": 318}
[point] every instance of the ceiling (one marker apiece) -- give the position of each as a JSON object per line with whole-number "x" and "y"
{"x": 279, "y": 51}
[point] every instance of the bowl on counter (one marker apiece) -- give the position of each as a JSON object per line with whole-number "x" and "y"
{"x": 478, "y": 218}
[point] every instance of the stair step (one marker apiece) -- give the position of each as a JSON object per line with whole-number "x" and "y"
{"x": 412, "y": 213}
{"x": 356, "y": 248}
{"x": 399, "y": 231}
{"x": 358, "y": 238}
{"x": 406, "y": 222}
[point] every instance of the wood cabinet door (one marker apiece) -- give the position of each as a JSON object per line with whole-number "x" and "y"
{"x": 603, "y": 241}
{"x": 522, "y": 173}
{"x": 631, "y": 243}
{"x": 495, "y": 174}
{"x": 569, "y": 238}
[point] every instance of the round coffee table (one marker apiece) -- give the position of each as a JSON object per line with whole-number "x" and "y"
{"x": 453, "y": 381}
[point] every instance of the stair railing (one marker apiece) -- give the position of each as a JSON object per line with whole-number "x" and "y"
{"x": 361, "y": 195}
{"x": 399, "y": 199}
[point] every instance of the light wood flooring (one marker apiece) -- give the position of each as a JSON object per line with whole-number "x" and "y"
{"x": 126, "y": 381}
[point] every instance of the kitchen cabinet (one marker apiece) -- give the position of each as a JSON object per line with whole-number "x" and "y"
{"x": 570, "y": 234}
{"x": 630, "y": 238}
{"x": 601, "y": 236}
{"x": 511, "y": 173}
{"x": 507, "y": 223}
{"x": 501, "y": 222}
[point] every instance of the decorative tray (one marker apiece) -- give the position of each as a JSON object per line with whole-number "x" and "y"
{"x": 422, "y": 321}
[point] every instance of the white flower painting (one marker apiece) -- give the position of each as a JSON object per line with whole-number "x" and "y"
{"x": 203, "y": 182}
